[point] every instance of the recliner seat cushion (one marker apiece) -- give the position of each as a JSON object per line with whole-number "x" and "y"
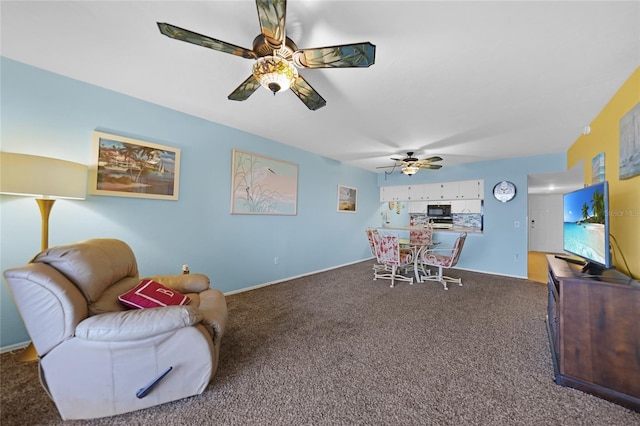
{"x": 108, "y": 301}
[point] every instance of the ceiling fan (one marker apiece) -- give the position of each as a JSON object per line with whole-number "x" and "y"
{"x": 277, "y": 56}
{"x": 410, "y": 165}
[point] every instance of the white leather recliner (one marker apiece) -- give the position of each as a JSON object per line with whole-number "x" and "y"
{"x": 94, "y": 353}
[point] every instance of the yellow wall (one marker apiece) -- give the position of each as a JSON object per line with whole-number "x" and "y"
{"x": 624, "y": 195}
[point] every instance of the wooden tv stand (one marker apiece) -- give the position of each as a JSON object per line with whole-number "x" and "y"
{"x": 594, "y": 331}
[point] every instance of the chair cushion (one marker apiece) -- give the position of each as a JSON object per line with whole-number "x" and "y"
{"x": 92, "y": 265}
{"x": 152, "y": 294}
{"x": 108, "y": 300}
{"x": 136, "y": 324}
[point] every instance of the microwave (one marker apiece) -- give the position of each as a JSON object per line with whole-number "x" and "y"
{"x": 439, "y": 210}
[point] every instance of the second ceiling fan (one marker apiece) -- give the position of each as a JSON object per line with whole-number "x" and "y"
{"x": 410, "y": 165}
{"x": 277, "y": 56}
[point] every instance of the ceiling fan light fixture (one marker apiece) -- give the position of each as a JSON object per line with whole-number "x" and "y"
{"x": 274, "y": 73}
{"x": 410, "y": 170}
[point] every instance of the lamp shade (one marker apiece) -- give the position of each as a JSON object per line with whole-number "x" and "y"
{"x": 274, "y": 73}
{"x": 31, "y": 175}
{"x": 410, "y": 170}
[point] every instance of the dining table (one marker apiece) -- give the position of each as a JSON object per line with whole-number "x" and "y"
{"x": 417, "y": 250}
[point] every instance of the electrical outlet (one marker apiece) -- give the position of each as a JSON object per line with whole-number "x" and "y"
{"x": 275, "y": 260}
{"x": 516, "y": 224}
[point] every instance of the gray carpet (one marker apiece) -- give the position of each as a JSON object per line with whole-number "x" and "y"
{"x": 338, "y": 348}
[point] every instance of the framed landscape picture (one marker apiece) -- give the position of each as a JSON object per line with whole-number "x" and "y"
{"x": 347, "y": 199}
{"x": 125, "y": 167}
{"x": 263, "y": 185}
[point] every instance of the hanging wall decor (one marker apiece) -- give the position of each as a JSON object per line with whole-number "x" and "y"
{"x": 125, "y": 167}
{"x": 630, "y": 143}
{"x": 597, "y": 168}
{"x": 263, "y": 185}
{"x": 347, "y": 199}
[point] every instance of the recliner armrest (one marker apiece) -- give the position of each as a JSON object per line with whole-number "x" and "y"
{"x": 137, "y": 324}
{"x": 184, "y": 283}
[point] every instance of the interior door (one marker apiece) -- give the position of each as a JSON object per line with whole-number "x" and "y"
{"x": 545, "y": 223}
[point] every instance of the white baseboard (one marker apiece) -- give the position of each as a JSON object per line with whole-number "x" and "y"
{"x": 14, "y": 347}
{"x": 490, "y": 273}
{"x": 242, "y": 290}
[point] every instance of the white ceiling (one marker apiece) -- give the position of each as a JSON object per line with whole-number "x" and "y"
{"x": 468, "y": 81}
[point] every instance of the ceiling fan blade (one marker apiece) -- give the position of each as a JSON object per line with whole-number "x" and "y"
{"x": 307, "y": 94}
{"x": 201, "y": 40}
{"x": 386, "y": 167}
{"x": 343, "y": 56}
{"x": 430, "y": 166}
{"x": 430, "y": 160}
{"x": 272, "y": 16}
{"x": 245, "y": 90}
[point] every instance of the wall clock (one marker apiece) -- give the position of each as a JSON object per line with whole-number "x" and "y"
{"x": 504, "y": 191}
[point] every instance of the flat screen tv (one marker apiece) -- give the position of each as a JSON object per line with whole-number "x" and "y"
{"x": 586, "y": 225}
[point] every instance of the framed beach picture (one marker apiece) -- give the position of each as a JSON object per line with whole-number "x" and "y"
{"x": 263, "y": 185}
{"x": 347, "y": 199}
{"x": 597, "y": 168}
{"x": 125, "y": 167}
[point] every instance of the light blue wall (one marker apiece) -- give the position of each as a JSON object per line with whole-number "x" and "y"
{"x": 50, "y": 115}
{"x": 501, "y": 248}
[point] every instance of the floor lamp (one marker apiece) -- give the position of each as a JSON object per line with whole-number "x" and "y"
{"x": 46, "y": 179}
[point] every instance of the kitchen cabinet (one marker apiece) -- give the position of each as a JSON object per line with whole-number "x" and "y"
{"x": 466, "y": 206}
{"x": 464, "y": 189}
{"x": 471, "y": 189}
{"x": 416, "y": 193}
{"x": 432, "y": 191}
{"x": 445, "y": 191}
{"x": 418, "y": 207}
{"x": 394, "y": 193}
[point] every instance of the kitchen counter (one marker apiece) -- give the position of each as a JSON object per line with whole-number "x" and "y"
{"x": 456, "y": 230}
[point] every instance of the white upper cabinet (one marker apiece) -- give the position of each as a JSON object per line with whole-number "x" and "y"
{"x": 432, "y": 191}
{"x": 394, "y": 193}
{"x": 471, "y": 189}
{"x": 466, "y": 206}
{"x": 461, "y": 190}
{"x": 450, "y": 190}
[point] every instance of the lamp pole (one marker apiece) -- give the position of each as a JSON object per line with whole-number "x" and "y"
{"x": 45, "y": 204}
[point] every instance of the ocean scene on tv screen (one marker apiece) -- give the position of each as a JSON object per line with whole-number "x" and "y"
{"x": 584, "y": 223}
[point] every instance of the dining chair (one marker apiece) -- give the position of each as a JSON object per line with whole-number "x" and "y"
{"x": 421, "y": 236}
{"x": 388, "y": 254}
{"x": 372, "y": 245}
{"x": 421, "y": 240}
{"x": 443, "y": 258}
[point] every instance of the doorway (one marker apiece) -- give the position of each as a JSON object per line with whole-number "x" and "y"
{"x": 545, "y": 215}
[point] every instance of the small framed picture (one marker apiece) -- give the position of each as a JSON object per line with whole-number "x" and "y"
{"x": 125, "y": 167}
{"x": 347, "y": 199}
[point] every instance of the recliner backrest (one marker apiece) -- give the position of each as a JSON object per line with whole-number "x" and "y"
{"x": 92, "y": 265}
